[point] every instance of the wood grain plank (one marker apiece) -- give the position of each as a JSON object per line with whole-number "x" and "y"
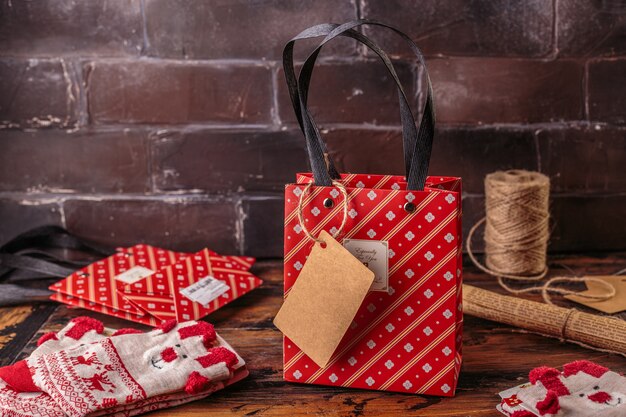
{"x": 9, "y": 318}
{"x": 17, "y": 326}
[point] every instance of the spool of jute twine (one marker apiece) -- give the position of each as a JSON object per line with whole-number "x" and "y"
{"x": 517, "y": 221}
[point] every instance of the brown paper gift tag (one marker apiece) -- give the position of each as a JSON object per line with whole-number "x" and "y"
{"x": 322, "y": 303}
{"x": 610, "y": 306}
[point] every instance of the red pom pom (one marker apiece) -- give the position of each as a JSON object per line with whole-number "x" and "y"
{"x": 587, "y": 367}
{"x": 549, "y": 377}
{"x": 126, "y": 331}
{"x": 48, "y": 336}
{"x": 196, "y": 383}
{"x": 217, "y": 355}
{"x": 550, "y": 404}
{"x": 82, "y": 325}
{"x": 167, "y": 325}
{"x": 169, "y": 354}
{"x": 201, "y": 328}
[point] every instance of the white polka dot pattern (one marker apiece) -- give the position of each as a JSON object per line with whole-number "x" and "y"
{"x": 407, "y": 339}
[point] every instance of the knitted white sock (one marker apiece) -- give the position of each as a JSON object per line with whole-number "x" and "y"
{"x": 125, "y": 369}
{"x": 127, "y": 374}
{"x": 583, "y": 389}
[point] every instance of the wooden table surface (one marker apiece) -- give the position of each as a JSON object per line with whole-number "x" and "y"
{"x": 495, "y": 356}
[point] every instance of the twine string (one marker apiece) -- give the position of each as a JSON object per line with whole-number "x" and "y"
{"x": 344, "y": 219}
{"x": 516, "y": 235}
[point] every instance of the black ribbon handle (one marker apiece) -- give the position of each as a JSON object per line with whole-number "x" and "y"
{"x": 292, "y": 85}
{"x": 408, "y": 121}
{"x": 417, "y": 144}
{"x": 38, "y": 254}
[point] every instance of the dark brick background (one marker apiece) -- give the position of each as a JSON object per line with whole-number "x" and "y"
{"x": 168, "y": 121}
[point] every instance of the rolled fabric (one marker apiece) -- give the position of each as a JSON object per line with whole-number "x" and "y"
{"x": 589, "y": 330}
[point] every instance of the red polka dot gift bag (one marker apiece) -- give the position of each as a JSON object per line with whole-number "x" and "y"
{"x": 406, "y": 334}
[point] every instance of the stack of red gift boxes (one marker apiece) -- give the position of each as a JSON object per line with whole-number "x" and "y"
{"x": 149, "y": 285}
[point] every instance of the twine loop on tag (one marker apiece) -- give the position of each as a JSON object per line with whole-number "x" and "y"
{"x": 517, "y": 232}
{"x": 344, "y": 219}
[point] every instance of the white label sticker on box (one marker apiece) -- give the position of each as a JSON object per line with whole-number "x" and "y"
{"x": 375, "y": 255}
{"x": 205, "y": 290}
{"x": 134, "y": 274}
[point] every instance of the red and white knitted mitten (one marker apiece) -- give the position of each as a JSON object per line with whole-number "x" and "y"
{"x": 127, "y": 374}
{"x": 122, "y": 370}
{"x": 583, "y": 389}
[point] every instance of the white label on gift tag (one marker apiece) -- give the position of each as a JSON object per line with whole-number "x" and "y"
{"x": 134, "y": 274}
{"x": 375, "y": 255}
{"x": 205, "y": 290}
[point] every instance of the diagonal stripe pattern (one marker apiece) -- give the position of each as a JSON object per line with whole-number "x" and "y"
{"x": 418, "y": 321}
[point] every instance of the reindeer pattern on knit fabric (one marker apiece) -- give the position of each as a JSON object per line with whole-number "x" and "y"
{"x": 132, "y": 368}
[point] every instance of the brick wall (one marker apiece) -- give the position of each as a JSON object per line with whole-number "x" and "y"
{"x": 167, "y": 121}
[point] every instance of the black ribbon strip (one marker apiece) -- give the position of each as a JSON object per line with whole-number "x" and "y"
{"x": 44, "y": 252}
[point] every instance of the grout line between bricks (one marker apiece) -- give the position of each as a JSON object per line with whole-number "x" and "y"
{"x": 269, "y": 128}
{"x": 569, "y": 194}
{"x": 275, "y": 106}
{"x": 262, "y": 62}
{"x": 240, "y": 218}
{"x": 585, "y": 86}
{"x": 62, "y": 214}
{"x": 150, "y": 161}
{"x": 361, "y": 49}
{"x": 145, "y": 47}
{"x": 89, "y": 69}
{"x": 70, "y": 97}
{"x": 223, "y": 62}
{"x": 174, "y": 198}
{"x": 81, "y": 87}
{"x": 323, "y": 59}
{"x": 27, "y": 198}
{"x": 555, "y": 30}
{"x": 358, "y": 8}
{"x": 537, "y": 149}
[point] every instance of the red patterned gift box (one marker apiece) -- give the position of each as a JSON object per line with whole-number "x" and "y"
{"x": 162, "y": 294}
{"x": 143, "y": 283}
{"x": 96, "y": 288}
